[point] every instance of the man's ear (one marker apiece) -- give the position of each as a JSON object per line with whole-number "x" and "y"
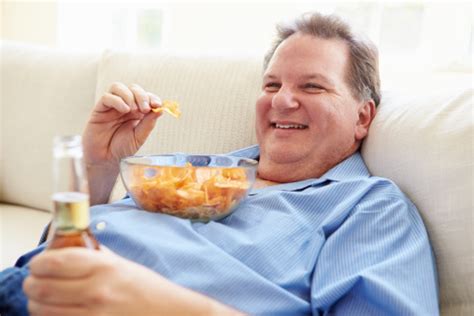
{"x": 366, "y": 115}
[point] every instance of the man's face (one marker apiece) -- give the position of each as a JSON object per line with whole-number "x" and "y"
{"x": 306, "y": 114}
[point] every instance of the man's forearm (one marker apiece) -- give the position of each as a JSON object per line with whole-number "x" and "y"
{"x": 184, "y": 301}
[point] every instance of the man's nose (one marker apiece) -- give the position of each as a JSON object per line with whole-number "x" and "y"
{"x": 284, "y": 99}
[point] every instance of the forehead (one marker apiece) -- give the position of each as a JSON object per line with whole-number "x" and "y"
{"x": 303, "y": 54}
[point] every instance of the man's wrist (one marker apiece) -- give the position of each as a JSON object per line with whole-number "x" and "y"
{"x": 101, "y": 181}
{"x": 112, "y": 164}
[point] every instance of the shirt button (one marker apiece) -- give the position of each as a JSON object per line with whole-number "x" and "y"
{"x": 100, "y": 225}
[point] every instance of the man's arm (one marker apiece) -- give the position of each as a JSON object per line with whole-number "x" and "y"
{"x": 78, "y": 281}
{"x": 118, "y": 126}
{"x": 378, "y": 262}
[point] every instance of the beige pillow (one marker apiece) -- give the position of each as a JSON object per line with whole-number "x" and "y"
{"x": 44, "y": 92}
{"x": 424, "y": 142}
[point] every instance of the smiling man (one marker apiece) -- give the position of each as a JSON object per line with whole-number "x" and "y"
{"x": 317, "y": 235}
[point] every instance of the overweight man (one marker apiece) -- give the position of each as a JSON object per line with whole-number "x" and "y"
{"x": 316, "y": 235}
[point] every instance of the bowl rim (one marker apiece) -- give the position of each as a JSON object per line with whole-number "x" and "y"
{"x": 252, "y": 162}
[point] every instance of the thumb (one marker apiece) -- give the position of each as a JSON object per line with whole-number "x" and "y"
{"x": 146, "y": 125}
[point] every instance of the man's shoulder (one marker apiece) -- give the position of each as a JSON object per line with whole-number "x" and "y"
{"x": 354, "y": 173}
{"x": 383, "y": 194}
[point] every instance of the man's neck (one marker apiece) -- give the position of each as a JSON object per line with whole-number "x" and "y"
{"x": 261, "y": 183}
{"x": 274, "y": 172}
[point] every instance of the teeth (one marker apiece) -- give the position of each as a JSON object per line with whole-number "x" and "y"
{"x": 288, "y": 126}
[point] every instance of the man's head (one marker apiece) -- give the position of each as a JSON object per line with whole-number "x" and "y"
{"x": 319, "y": 92}
{"x": 362, "y": 71}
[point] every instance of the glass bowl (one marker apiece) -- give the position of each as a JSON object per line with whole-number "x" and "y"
{"x": 198, "y": 187}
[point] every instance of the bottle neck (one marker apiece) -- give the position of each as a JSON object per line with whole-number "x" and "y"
{"x": 71, "y": 211}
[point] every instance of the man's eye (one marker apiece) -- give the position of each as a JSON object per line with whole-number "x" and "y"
{"x": 272, "y": 86}
{"x": 313, "y": 87}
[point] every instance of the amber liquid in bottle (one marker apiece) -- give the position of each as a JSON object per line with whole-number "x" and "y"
{"x": 83, "y": 238}
{"x": 70, "y": 198}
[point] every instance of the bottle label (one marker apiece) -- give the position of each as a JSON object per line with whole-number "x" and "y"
{"x": 71, "y": 210}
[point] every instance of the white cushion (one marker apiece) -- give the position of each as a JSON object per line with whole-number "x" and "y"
{"x": 423, "y": 140}
{"x": 44, "y": 93}
{"x": 20, "y": 231}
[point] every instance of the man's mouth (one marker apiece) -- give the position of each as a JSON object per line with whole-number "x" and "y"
{"x": 288, "y": 126}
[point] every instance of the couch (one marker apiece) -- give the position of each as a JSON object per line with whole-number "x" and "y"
{"x": 422, "y": 137}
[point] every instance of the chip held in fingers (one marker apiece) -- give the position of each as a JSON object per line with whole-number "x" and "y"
{"x": 170, "y": 107}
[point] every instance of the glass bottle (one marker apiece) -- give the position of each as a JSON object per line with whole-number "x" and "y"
{"x": 70, "y": 196}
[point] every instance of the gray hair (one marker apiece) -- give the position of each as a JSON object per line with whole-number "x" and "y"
{"x": 363, "y": 70}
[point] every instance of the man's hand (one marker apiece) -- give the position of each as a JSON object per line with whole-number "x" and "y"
{"x": 79, "y": 281}
{"x": 119, "y": 125}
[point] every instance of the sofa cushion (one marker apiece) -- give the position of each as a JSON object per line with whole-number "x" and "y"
{"x": 44, "y": 92}
{"x": 216, "y": 95}
{"x": 20, "y": 231}
{"x": 424, "y": 142}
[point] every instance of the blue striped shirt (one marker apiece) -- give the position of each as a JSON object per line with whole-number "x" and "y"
{"x": 346, "y": 243}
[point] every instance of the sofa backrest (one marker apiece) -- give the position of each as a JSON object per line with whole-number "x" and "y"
{"x": 47, "y": 92}
{"x": 43, "y": 93}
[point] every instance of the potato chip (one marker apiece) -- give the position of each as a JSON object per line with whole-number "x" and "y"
{"x": 170, "y": 107}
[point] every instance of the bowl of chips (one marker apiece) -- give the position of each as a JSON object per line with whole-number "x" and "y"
{"x": 197, "y": 187}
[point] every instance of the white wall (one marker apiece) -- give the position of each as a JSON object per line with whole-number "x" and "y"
{"x": 29, "y": 21}
{"x": 442, "y": 40}
{"x": 228, "y": 27}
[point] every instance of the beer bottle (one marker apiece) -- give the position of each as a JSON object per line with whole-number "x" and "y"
{"x": 70, "y": 196}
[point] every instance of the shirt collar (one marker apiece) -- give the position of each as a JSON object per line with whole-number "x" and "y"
{"x": 351, "y": 168}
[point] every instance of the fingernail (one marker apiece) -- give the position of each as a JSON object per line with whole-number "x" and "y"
{"x": 146, "y": 105}
{"x": 156, "y": 100}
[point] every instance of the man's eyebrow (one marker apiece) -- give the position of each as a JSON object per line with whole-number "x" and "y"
{"x": 316, "y": 76}
{"x": 269, "y": 76}
{"x": 321, "y": 77}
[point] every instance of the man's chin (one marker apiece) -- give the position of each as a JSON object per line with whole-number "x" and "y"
{"x": 283, "y": 154}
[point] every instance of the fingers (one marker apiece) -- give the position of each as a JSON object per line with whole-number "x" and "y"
{"x": 122, "y": 91}
{"x": 110, "y": 101}
{"x": 155, "y": 101}
{"x": 141, "y": 98}
{"x": 56, "y": 291}
{"x": 144, "y": 128}
{"x": 38, "y": 309}
{"x": 73, "y": 262}
{"x": 65, "y": 279}
{"x": 135, "y": 97}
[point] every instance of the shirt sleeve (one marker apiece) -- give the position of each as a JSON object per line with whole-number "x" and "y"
{"x": 13, "y": 301}
{"x": 377, "y": 262}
